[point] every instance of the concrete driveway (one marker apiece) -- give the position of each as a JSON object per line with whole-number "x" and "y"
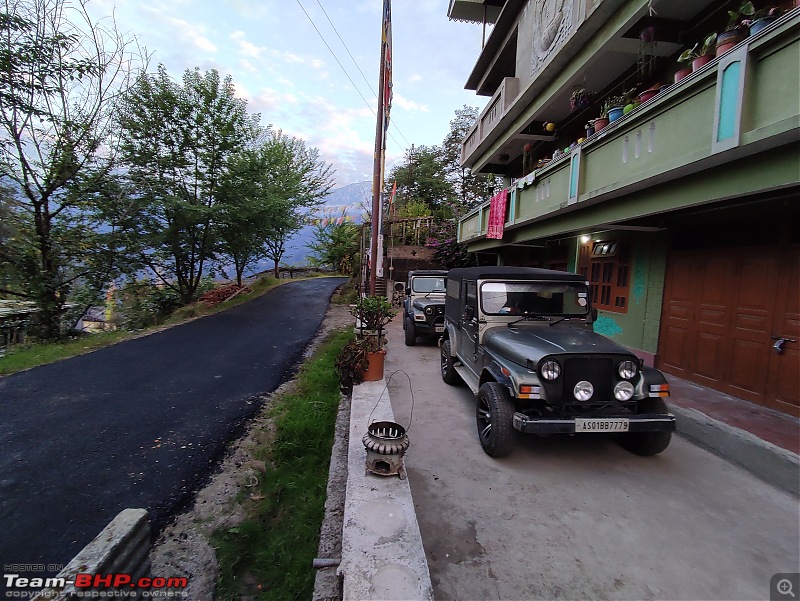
{"x": 578, "y": 517}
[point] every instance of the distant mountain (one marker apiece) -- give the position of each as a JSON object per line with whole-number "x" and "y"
{"x": 349, "y": 201}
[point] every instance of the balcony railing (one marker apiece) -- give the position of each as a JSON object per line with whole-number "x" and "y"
{"x": 738, "y": 105}
{"x": 502, "y": 100}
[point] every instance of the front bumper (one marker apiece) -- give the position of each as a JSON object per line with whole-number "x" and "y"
{"x": 643, "y": 422}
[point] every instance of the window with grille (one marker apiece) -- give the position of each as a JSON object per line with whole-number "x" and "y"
{"x": 606, "y": 265}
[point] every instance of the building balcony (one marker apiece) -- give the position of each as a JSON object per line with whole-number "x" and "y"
{"x": 732, "y": 113}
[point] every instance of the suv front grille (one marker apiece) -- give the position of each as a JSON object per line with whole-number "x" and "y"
{"x": 598, "y": 371}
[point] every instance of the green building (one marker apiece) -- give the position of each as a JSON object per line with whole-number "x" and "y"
{"x": 683, "y": 213}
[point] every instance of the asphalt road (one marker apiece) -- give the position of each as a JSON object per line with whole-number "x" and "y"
{"x": 578, "y": 517}
{"x": 141, "y": 423}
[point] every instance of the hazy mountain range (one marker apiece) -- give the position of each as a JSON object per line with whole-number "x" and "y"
{"x": 351, "y": 200}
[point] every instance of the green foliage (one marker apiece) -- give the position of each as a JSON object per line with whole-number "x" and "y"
{"x": 412, "y": 209}
{"x": 177, "y": 141}
{"x": 735, "y": 17}
{"x": 374, "y": 312}
{"x": 699, "y": 49}
{"x": 433, "y": 176}
{"x": 60, "y": 73}
{"x": 269, "y": 554}
{"x": 447, "y": 251}
{"x": 33, "y": 355}
{"x": 337, "y": 246}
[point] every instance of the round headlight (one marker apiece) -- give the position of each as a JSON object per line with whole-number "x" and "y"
{"x": 428, "y": 310}
{"x": 623, "y": 391}
{"x": 551, "y": 370}
{"x": 583, "y": 390}
{"x": 627, "y": 370}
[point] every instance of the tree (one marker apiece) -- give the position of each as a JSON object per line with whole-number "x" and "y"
{"x": 337, "y": 245}
{"x": 177, "y": 141}
{"x": 422, "y": 178}
{"x": 469, "y": 189}
{"x": 60, "y": 73}
{"x": 298, "y": 181}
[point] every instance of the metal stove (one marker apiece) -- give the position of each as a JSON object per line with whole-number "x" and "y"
{"x": 386, "y": 443}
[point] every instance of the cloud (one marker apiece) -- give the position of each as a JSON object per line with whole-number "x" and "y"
{"x": 194, "y": 34}
{"x": 409, "y": 105}
{"x": 246, "y": 48}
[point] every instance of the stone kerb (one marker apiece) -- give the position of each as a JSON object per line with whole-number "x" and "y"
{"x": 382, "y": 553}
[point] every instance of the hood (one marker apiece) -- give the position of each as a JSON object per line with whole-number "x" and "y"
{"x": 519, "y": 344}
{"x": 434, "y": 300}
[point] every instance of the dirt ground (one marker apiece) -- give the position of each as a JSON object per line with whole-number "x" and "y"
{"x": 182, "y": 549}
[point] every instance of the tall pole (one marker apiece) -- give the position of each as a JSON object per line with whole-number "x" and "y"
{"x": 376, "y": 174}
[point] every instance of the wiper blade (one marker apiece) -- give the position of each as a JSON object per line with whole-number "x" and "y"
{"x": 552, "y": 323}
{"x": 527, "y": 318}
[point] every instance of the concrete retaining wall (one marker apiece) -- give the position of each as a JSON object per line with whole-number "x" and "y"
{"x": 122, "y": 547}
{"x": 382, "y": 553}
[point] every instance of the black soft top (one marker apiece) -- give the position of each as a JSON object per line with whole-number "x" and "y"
{"x": 512, "y": 273}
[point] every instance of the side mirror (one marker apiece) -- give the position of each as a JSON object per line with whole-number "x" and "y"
{"x": 594, "y": 314}
{"x": 408, "y": 290}
{"x": 469, "y": 313}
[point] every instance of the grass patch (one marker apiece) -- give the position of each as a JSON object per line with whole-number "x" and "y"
{"x": 269, "y": 555}
{"x": 35, "y": 354}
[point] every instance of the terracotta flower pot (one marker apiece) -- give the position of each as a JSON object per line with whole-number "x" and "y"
{"x": 729, "y": 39}
{"x": 682, "y": 73}
{"x": 375, "y": 368}
{"x": 700, "y": 61}
{"x": 600, "y": 123}
{"x": 647, "y": 95}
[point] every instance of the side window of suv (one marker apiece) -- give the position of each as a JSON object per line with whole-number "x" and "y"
{"x": 471, "y": 298}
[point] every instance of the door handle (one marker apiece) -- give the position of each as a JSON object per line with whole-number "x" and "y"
{"x": 779, "y": 342}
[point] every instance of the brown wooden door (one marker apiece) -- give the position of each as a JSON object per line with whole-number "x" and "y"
{"x": 720, "y": 311}
{"x": 783, "y": 388}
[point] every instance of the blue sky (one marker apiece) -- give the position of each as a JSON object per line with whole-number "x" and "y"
{"x": 283, "y": 69}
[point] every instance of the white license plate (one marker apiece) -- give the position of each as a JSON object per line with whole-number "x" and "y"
{"x": 439, "y": 329}
{"x": 601, "y": 424}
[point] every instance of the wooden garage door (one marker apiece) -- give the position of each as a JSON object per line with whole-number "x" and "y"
{"x": 721, "y": 313}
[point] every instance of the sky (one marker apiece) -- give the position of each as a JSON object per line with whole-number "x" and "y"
{"x": 285, "y": 72}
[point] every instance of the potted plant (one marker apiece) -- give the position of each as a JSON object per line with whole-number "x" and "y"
{"x": 580, "y": 98}
{"x": 701, "y": 53}
{"x": 649, "y": 93}
{"x": 373, "y": 313}
{"x": 761, "y": 18}
{"x": 736, "y": 30}
{"x": 602, "y": 120}
{"x": 614, "y": 106}
{"x": 351, "y": 364}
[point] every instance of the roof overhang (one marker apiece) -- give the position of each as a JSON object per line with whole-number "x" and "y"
{"x": 474, "y": 11}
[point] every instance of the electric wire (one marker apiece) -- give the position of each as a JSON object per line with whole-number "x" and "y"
{"x": 364, "y": 77}
{"x": 350, "y": 79}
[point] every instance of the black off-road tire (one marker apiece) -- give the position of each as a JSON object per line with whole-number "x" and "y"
{"x": 495, "y": 416}
{"x": 647, "y": 443}
{"x": 449, "y": 373}
{"x": 411, "y": 332}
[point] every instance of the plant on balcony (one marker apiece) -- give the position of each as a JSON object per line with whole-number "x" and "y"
{"x": 736, "y": 30}
{"x": 614, "y": 107}
{"x": 699, "y": 54}
{"x": 761, "y": 18}
{"x": 580, "y": 98}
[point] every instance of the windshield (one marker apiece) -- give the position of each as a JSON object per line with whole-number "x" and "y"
{"x": 428, "y": 284}
{"x": 535, "y": 298}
